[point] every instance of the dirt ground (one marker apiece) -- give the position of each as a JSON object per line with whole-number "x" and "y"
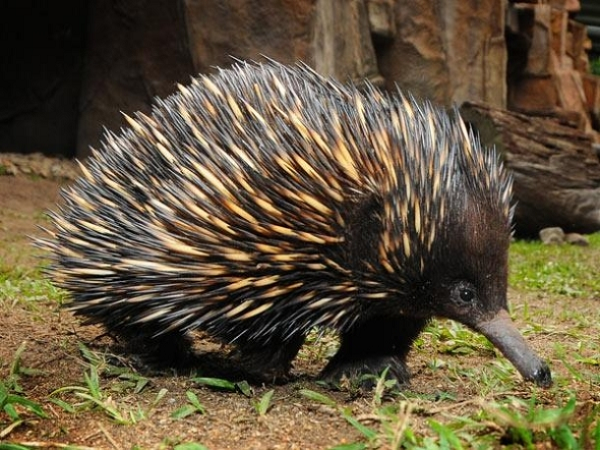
{"x": 51, "y": 336}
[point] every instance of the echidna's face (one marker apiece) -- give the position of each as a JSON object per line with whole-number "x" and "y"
{"x": 468, "y": 277}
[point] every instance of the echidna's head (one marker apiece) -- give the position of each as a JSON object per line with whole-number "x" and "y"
{"x": 466, "y": 280}
{"x": 446, "y": 231}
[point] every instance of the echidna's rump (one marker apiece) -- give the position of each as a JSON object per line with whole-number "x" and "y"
{"x": 265, "y": 200}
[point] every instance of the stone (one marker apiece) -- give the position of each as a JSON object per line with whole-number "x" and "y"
{"x": 591, "y": 89}
{"x": 341, "y": 44}
{"x": 558, "y": 39}
{"x": 536, "y": 22}
{"x": 246, "y": 29}
{"x": 40, "y": 74}
{"x": 381, "y": 18}
{"x": 571, "y": 95}
{"x": 552, "y": 235}
{"x": 39, "y": 165}
{"x": 333, "y": 36}
{"x": 533, "y": 94}
{"x": 527, "y": 55}
{"x": 557, "y": 4}
{"x": 552, "y": 79}
{"x": 566, "y": 5}
{"x": 578, "y": 36}
{"x": 449, "y": 52}
{"x": 136, "y": 51}
{"x": 573, "y": 6}
{"x": 577, "y": 239}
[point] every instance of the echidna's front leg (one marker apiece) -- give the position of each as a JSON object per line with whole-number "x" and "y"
{"x": 371, "y": 347}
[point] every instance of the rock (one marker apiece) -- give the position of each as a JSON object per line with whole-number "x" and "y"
{"x": 381, "y": 18}
{"x": 535, "y": 94}
{"x": 125, "y": 53}
{"x": 42, "y": 55}
{"x": 553, "y": 235}
{"x": 141, "y": 49}
{"x": 341, "y": 44}
{"x": 136, "y": 50}
{"x": 39, "y": 165}
{"x": 571, "y": 94}
{"x": 246, "y": 29}
{"x": 554, "y": 76}
{"x": 591, "y": 87}
{"x": 577, "y": 239}
{"x": 538, "y": 19}
{"x": 449, "y": 51}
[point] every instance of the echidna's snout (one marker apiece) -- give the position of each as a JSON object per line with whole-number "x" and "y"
{"x": 501, "y": 331}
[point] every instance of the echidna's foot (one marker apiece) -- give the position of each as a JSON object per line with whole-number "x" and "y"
{"x": 365, "y": 373}
{"x": 268, "y": 362}
{"x": 165, "y": 351}
{"x": 370, "y": 347}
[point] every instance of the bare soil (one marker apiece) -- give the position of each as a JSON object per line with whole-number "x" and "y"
{"x": 52, "y": 335}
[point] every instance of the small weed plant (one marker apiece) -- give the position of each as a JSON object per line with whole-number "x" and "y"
{"x": 92, "y": 395}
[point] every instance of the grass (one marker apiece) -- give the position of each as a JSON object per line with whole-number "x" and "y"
{"x": 497, "y": 411}
{"x": 595, "y": 66}
{"x": 13, "y": 400}
{"x": 556, "y": 269}
{"x": 512, "y": 422}
{"x": 264, "y": 404}
{"x": 27, "y": 287}
{"x": 193, "y": 406}
{"x": 103, "y": 384}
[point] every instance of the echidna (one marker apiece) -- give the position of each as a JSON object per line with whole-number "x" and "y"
{"x": 265, "y": 200}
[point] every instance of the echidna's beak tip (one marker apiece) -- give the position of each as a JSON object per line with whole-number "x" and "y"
{"x": 542, "y": 376}
{"x": 501, "y": 331}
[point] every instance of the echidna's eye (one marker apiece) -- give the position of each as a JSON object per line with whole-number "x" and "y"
{"x": 463, "y": 294}
{"x": 466, "y": 295}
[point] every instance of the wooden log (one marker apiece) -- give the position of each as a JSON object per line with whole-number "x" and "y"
{"x": 555, "y": 168}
